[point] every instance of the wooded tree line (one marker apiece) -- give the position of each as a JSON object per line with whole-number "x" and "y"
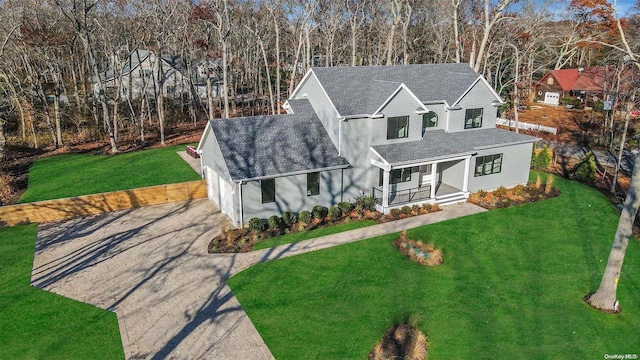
{"x": 50, "y": 51}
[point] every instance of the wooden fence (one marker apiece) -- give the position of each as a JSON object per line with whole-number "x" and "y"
{"x": 58, "y": 209}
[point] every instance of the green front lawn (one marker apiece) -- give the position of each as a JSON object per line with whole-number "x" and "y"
{"x": 82, "y": 174}
{"x": 36, "y": 324}
{"x": 311, "y": 234}
{"x": 511, "y": 286}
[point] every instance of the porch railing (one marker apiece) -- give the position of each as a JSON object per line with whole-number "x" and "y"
{"x": 399, "y": 197}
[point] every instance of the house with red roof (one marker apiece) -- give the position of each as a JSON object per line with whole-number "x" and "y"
{"x": 589, "y": 85}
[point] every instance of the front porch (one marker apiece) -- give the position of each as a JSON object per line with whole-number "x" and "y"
{"x": 442, "y": 182}
{"x": 420, "y": 194}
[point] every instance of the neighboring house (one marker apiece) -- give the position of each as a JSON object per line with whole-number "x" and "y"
{"x": 406, "y": 134}
{"x": 138, "y": 74}
{"x": 597, "y": 83}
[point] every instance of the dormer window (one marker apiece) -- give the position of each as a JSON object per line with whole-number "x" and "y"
{"x": 429, "y": 120}
{"x": 397, "y": 127}
{"x": 473, "y": 118}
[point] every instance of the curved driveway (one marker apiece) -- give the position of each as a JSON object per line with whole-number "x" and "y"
{"x": 150, "y": 266}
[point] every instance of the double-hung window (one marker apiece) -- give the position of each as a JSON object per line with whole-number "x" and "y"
{"x": 268, "y": 188}
{"x": 473, "y": 118}
{"x": 490, "y": 164}
{"x": 397, "y": 127}
{"x": 429, "y": 120}
{"x": 397, "y": 176}
{"x": 313, "y": 184}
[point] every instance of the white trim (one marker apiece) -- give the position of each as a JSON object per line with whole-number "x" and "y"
{"x": 465, "y": 181}
{"x": 239, "y": 184}
{"x": 402, "y": 86}
{"x": 200, "y": 143}
{"x": 383, "y": 164}
{"x": 304, "y": 80}
{"x": 484, "y": 81}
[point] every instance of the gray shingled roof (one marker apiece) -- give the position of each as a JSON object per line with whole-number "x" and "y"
{"x": 438, "y": 144}
{"x": 272, "y": 145}
{"x": 353, "y": 89}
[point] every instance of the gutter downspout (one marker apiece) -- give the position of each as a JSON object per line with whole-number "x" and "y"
{"x": 241, "y": 205}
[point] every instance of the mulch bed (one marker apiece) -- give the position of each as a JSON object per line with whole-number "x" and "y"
{"x": 418, "y": 251}
{"x": 402, "y": 342}
{"x": 503, "y": 197}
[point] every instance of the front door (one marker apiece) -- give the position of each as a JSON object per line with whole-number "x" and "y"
{"x": 426, "y": 174}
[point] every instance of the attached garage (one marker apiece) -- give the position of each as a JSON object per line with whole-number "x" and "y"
{"x": 220, "y": 192}
{"x": 552, "y": 98}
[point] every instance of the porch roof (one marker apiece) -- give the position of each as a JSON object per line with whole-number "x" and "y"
{"x": 438, "y": 144}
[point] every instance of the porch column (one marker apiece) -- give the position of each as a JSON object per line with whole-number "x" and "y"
{"x": 385, "y": 189}
{"x": 434, "y": 171}
{"x": 465, "y": 183}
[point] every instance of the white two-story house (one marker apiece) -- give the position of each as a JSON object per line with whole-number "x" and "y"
{"x": 406, "y": 134}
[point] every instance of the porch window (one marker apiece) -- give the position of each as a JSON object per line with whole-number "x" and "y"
{"x": 397, "y": 127}
{"x": 268, "y": 188}
{"x": 313, "y": 184}
{"x": 473, "y": 118}
{"x": 429, "y": 120}
{"x": 490, "y": 164}
{"x": 396, "y": 176}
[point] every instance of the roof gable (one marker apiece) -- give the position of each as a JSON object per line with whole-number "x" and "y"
{"x": 361, "y": 89}
{"x": 274, "y": 145}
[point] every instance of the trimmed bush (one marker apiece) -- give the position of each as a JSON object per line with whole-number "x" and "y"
{"x": 365, "y": 203}
{"x": 406, "y": 210}
{"x": 319, "y": 212}
{"x": 304, "y": 217}
{"x": 334, "y": 212}
{"x": 289, "y": 218}
{"x": 394, "y": 212}
{"x": 518, "y": 190}
{"x": 345, "y": 207}
{"x": 586, "y": 168}
{"x": 256, "y": 224}
{"x": 274, "y": 222}
{"x": 426, "y": 207}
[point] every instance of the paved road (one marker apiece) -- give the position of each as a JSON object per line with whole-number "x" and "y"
{"x": 603, "y": 158}
{"x": 150, "y": 266}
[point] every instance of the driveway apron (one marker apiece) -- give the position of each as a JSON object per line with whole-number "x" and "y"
{"x": 150, "y": 266}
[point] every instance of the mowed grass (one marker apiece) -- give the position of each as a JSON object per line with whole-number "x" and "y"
{"x": 311, "y": 234}
{"x": 82, "y": 174}
{"x": 36, "y": 324}
{"x": 511, "y": 286}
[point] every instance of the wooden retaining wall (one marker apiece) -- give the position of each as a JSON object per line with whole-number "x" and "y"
{"x": 58, "y": 209}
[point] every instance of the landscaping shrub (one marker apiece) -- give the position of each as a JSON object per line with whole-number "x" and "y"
{"x": 334, "y": 212}
{"x": 482, "y": 194}
{"x": 289, "y": 218}
{"x": 345, "y": 207}
{"x": 304, "y": 217}
{"x": 541, "y": 160}
{"x": 518, "y": 190}
{"x": 538, "y": 182}
{"x": 426, "y": 207}
{"x": 586, "y": 168}
{"x": 365, "y": 203}
{"x": 549, "y": 185}
{"x": 394, "y": 212}
{"x": 256, "y": 224}
{"x": 416, "y": 209}
{"x": 319, "y": 212}
{"x": 406, "y": 210}
{"x": 274, "y": 222}
{"x": 500, "y": 192}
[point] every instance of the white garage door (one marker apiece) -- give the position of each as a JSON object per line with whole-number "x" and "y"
{"x": 226, "y": 199}
{"x": 552, "y": 98}
{"x": 213, "y": 189}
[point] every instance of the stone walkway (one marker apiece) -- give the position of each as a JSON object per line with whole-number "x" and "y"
{"x": 150, "y": 266}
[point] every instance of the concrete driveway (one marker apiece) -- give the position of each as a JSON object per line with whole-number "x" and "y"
{"x": 150, "y": 266}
